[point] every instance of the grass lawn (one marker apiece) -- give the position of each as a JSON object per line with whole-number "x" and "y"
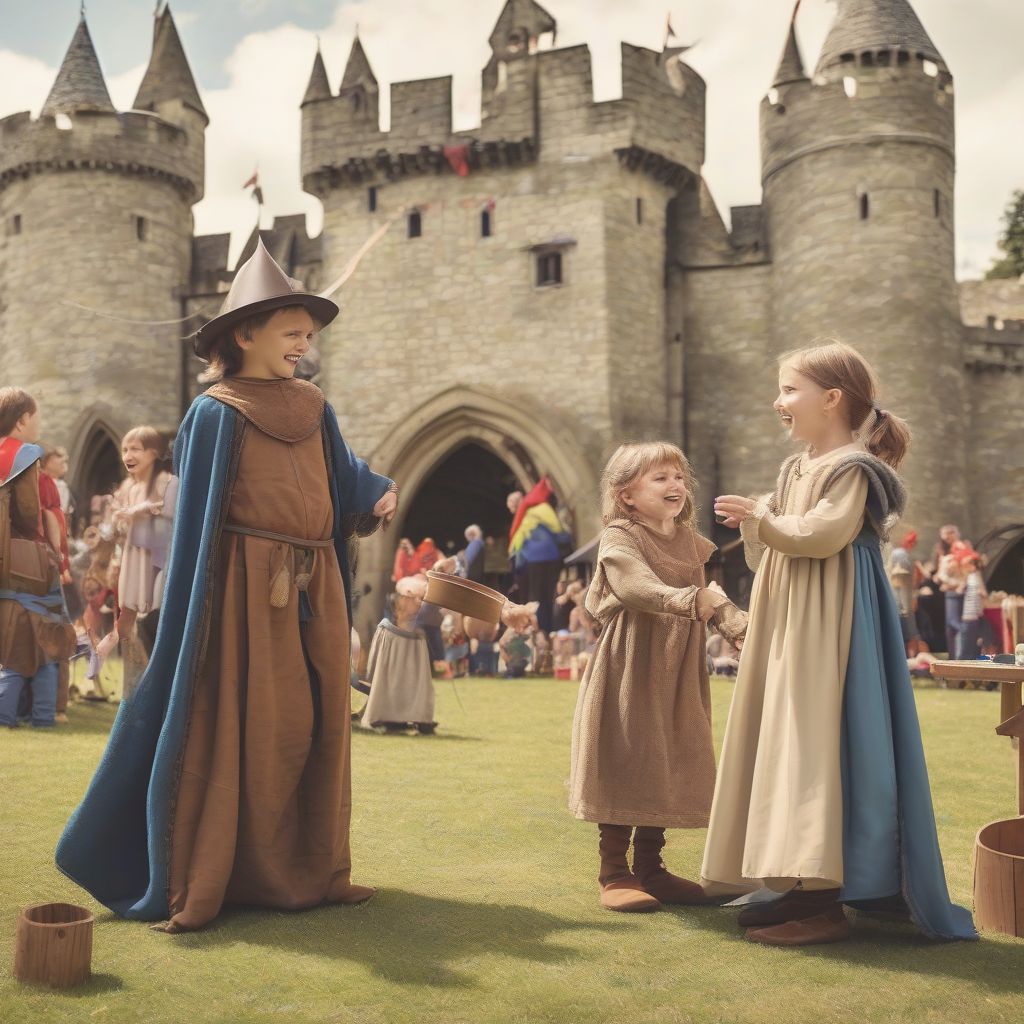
{"x": 487, "y": 909}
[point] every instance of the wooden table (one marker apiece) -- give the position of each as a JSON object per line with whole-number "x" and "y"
{"x": 1011, "y": 715}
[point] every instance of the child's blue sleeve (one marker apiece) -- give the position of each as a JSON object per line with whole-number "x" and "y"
{"x": 359, "y": 488}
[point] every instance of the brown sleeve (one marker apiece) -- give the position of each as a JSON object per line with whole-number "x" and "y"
{"x": 635, "y": 584}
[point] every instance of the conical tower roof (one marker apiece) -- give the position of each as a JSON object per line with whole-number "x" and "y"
{"x": 791, "y": 65}
{"x": 357, "y": 70}
{"x": 872, "y": 25}
{"x": 520, "y": 16}
{"x": 79, "y": 84}
{"x": 319, "y": 87}
{"x": 168, "y": 76}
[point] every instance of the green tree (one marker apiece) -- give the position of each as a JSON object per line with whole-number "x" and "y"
{"x": 1011, "y": 241}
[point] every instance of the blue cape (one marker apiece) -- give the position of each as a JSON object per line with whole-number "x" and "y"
{"x": 116, "y": 844}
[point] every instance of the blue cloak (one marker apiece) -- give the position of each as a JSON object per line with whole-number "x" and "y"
{"x": 116, "y": 844}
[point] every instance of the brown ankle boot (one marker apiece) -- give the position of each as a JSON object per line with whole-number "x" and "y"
{"x": 619, "y": 889}
{"x": 650, "y": 870}
{"x": 830, "y": 925}
{"x": 795, "y": 905}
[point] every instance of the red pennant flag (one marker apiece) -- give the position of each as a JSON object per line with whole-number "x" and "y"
{"x": 254, "y": 180}
{"x": 458, "y": 159}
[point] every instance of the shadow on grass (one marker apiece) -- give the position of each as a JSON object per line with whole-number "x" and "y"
{"x": 434, "y": 737}
{"x": 897, "y": 946}
{"x": 404, "y": 937}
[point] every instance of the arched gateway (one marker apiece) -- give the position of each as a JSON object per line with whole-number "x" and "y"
{"x": 529, "y": 442}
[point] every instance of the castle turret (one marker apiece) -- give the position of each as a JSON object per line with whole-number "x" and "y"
{"x": 97, "y": 241}
{"x": 857, "y": 169}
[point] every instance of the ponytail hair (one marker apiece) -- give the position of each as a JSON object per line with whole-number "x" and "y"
{"x": 887, "y": 437}
{"x": 833, "y": 365}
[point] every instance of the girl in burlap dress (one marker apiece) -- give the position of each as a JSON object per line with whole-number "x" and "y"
{"x": 642, "y": 754}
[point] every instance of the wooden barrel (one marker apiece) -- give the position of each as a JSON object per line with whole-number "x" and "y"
{"x": 999, "y": 877}
{"x": 54, "y": 945}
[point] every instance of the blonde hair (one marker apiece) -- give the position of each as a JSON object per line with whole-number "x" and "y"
{"x": 151, "y": 439}
{"x": 833, "y": 365}
{"x": 631, "y": 461}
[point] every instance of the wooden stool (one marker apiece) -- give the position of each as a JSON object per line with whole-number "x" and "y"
{"x": 54, "y": 945}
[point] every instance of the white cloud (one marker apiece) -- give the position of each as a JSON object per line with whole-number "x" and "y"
{"x": 256, "y": 118}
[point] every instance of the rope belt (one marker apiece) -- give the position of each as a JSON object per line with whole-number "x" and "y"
{"x": 282, "y": 564}
{"x": 282, "y": 538}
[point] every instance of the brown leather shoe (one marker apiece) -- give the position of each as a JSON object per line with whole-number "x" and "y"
{"x": 650, "y": 871}
{"x": 795, "y": 905}
{"x": 354, "y": 894}
{"x": 831, "y": 926}
{"x": 627, "y": 896}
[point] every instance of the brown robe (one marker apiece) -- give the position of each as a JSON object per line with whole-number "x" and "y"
{"x": 264, "y": 799}
{"x": 642, "y": 751}
{"x": 28, "y": 641}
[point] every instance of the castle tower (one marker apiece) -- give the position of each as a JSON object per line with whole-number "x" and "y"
{"x": 95, "y": 207}
{"x": 514, "y": 297}
{"x": 857, "y": 170}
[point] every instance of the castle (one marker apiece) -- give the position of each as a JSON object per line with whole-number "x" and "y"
{"x": 550, "y": 283}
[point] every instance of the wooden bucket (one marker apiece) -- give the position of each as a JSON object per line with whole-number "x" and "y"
{"x": 54, "y": 945}
{"x": 999, "y": 877}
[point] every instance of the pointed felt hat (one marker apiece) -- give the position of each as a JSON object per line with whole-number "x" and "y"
{"x": 260, "y": 286}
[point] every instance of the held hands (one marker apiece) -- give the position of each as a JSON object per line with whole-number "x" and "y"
{"x": 518, "y": 616}
{"x": 387, "y": 506}
{"x": 708, "y": 600}
{"x": 731, "y": 509}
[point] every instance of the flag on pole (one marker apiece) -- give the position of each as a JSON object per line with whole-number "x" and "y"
{"x": 254, "y": 180}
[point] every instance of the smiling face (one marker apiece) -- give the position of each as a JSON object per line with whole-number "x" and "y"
{"x": 275, "y": 348}
{"x": 806, "y": 410}
{"x": 657, "y": 495}
{"x": 137, "y": 458}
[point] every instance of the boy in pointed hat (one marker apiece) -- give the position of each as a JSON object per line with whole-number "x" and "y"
{"x": 226, "y": 778}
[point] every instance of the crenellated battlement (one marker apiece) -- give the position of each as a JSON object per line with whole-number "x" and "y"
{"x": 995, "y": 347}
{"x": 540, "y": 107}
{"x": 857, "y": 102}
{"x": 134, "y": 142}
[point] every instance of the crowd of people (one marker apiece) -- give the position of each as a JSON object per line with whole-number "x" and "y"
{"x": 101, "y": 572}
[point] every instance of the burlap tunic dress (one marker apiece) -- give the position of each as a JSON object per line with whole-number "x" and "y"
{"x": 642, "y": 751}
{"x": 263, "y": 805}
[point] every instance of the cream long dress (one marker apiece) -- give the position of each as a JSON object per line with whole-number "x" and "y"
{"x": 642, "y": 752}
{"x": 777, "y": 814}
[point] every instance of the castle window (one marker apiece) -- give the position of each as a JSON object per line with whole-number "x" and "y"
{"x": 485, "y": 223}
{"x": 639, "y": 211}
{"x": 850, "y": 86}
{"x": 415, "y": 225}
{"x": 902, "y": 58}
{"x": 16, "y": 224}
{"x": 371, "y": 199}
{"x": 140, "y": 228}
{"x": 884, "y": 58}
{"x": 865, "y": 207}
{"x": 867, "y": 59}
{"x": 936, "y": 202}
{"x": 549, "y": 269}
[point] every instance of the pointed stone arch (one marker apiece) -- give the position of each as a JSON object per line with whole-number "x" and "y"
{"x": 532, "y": 441}
{"x": 97, "y": 443}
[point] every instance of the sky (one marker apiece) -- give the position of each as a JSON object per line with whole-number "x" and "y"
{"x": 252, "y": 59}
